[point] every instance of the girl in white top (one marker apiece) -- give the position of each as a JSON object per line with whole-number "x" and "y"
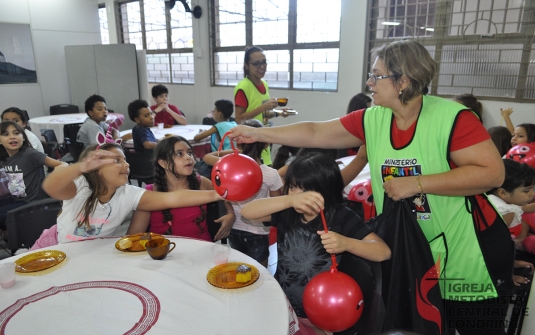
{"x": 515, "y": 192}
{"x": 20, "y": 117}
{"x": 97, "y": 197}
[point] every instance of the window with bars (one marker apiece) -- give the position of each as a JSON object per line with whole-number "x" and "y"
{"x": 483, "y": 47}
{"x": 166, "y": 35}
{"x": 300, "y": 40}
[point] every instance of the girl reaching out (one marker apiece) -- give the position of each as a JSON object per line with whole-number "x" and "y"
{"x": 313, "y": 182}
{"x": 97, "y": 196}
{"x": 173, "y": 169}
{"x": 23, "y": 166}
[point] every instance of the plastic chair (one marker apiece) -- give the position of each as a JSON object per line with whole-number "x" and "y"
{"x": 26, "y": 223}
{"x": 63, "y": 109}
{"x": 52, "y": 147}
{"x": 141, "y": 167}
{"x": 70, "y": 132}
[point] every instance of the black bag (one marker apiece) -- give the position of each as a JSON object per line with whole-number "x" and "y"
{"x": 412, "y": 302}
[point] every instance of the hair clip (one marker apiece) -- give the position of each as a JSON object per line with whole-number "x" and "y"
{"x": 108, "y": 138}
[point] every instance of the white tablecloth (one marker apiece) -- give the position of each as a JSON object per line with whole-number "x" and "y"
{"x": 189, "y": 131}
{"x": 100, "y": 290}
{"x": 56, "y": 122}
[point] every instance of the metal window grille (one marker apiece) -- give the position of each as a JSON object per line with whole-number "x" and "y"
{"x": 300, "y": 41}
{"x": 483, "y": 47}
{"x": 166, "y": 35}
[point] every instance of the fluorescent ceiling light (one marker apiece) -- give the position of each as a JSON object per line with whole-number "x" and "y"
{"x": 390, "y": 23}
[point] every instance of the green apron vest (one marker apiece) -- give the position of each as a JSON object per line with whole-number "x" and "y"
{"x": 255, "y": 99}
{"x": 444, "y": 220}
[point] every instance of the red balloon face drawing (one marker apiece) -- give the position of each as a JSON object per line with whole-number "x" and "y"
{"x": 361, "y": 192}
{"x": 216, "y": 177}
{"x": 523, "y": 153}
{"x": 236, "y": 177}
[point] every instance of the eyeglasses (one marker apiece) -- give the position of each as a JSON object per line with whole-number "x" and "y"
{"x": 373, "y": 78}
{"x": 259, "y": 64}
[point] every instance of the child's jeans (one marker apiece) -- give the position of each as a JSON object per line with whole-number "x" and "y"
{"x": 253, "y": 245}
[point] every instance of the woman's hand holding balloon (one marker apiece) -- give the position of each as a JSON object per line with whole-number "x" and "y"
{"x": 243, "y": 134}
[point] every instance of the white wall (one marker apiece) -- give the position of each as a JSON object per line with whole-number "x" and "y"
{"x": 54, "y": 24}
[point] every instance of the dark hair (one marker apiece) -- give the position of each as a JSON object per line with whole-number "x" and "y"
{"x": 247, "y": 57}
{"x": 225, "y": 106}
{"x": 283, "y": 153}
{"x": 359, "y": 101}
{"x": 23, "y": 115}
{"x": 410, "y": 59}
{"x": 530, "y": 131}
{"x": 165, "y": 150}
{"x": 95, "y": 184}
{"x": 90, "y": 102}
{"x": 470, "y": 101}
{"x": 158, "y": 90}
{"x": 253, "y": 150}
{"x": 516, "y": 175}
{"x": 332, "y": 153}
{"x": 501, "y": 136}
{"x": 25, "y": 144}
{"x": 134, "y": 107}
{"x": 317, "y": 172}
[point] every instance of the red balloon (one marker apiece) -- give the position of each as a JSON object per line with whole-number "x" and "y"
{"x": 361, "y": 192}
{"x": 333, "y": 301}
{"x": 523, "y": 153}
{"x": 236, "y": 177}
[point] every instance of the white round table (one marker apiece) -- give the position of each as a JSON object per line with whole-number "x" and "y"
{"x": 98, "y": 289}
{"x": 188, "y": 131}
{"x": 56, "y": 122}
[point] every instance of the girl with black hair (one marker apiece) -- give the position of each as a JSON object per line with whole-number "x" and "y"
{"x": 21, "y": 118}
{"x": 313, "y": 182}
{"x": 516, "y": 191}
{"x": 173, "y": 170}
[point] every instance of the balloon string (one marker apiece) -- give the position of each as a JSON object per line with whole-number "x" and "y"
{"x": 236, "y": 151}
{"x": 333, "y": 256}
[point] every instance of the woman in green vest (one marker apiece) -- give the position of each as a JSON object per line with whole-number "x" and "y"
{"x": 437, "y": 153}
{"x": 251, "y": 95}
